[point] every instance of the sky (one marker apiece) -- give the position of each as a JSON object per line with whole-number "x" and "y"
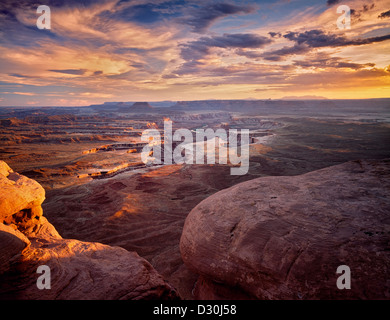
{"x": 134, "y": 50}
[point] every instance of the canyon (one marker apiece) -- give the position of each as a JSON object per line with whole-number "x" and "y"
{"x": 100, "y": 195}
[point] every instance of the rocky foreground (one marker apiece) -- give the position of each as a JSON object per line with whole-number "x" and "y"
{"x": 79, "y": 270}
{"x": 284, "y": 237}
{"x": 275, "y": 237}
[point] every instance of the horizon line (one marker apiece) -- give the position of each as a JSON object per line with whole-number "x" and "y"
{"x": 200, "y": 100}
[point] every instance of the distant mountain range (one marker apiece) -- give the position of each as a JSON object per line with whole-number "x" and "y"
{"x": 304, "y": 98}
{"x": 355, "y": 108}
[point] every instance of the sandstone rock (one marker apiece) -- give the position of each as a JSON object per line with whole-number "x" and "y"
{"x": 284, "y": 237}
{"x": 12, "y": 242}
{"x": 20, "y": 199}
{"x": 5, "y": 170}
{"x": 84, "y": 270}
{"x": 79, "y": 270}
{"x": 44, "y": 230}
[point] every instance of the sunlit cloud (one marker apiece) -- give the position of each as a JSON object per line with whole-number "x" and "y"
{"x": 111, "y": 50}
{"x": 21, "y": 93}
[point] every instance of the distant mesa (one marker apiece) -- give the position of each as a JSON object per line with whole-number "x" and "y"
{"x": 137, "y": 107}
{"x": 141, "y": 106}
{"x": 307, "y": 97}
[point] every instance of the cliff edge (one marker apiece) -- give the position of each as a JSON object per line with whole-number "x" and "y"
{"x": 78, "y": 270}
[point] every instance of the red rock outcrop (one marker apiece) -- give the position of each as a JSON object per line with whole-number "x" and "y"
{"x": 78, "y": 270}
{"x": 12, "y": 243}
{"x": 20, "y": 199}
{"x": 284, "y": 237}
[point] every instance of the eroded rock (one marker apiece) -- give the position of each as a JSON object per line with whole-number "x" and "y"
{"x": 12, "y": 243}
{"x": 20, "y": 199}
{"x": 84, "y": 270}
{"x": 78, "y": 270}
{"x": 284, "y": 237}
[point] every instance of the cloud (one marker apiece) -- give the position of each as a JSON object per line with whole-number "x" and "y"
{"x": 278, "y": 55}
{"x": 305, "y": 41}
{"x": 332, "y": 2}
{"x": 275, "y": 34}
{"x": 251, "y": 54}
{"x": 194, "y": 50}
{"x": 385, "y": 14}
{"x": 199, "y": 15}
{"x": 318, "y": 39}
{"x": 22, "y": 93}
{"x": 18, "y": 75}
{"x": 131, "y": 49}
{"x": 201, "y": 18}
{"x": 322, "y": 60}
{"x": 328, "y": 79}
{"x": 140, "y": 13}
{"x": 358, "y": 13}
{"x": 240, "y": 73}
{"x": 238, "y": 40}
{"x": 71, "y": 71}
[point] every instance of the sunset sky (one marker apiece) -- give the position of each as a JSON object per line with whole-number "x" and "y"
{"x": 112, "y": 50}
